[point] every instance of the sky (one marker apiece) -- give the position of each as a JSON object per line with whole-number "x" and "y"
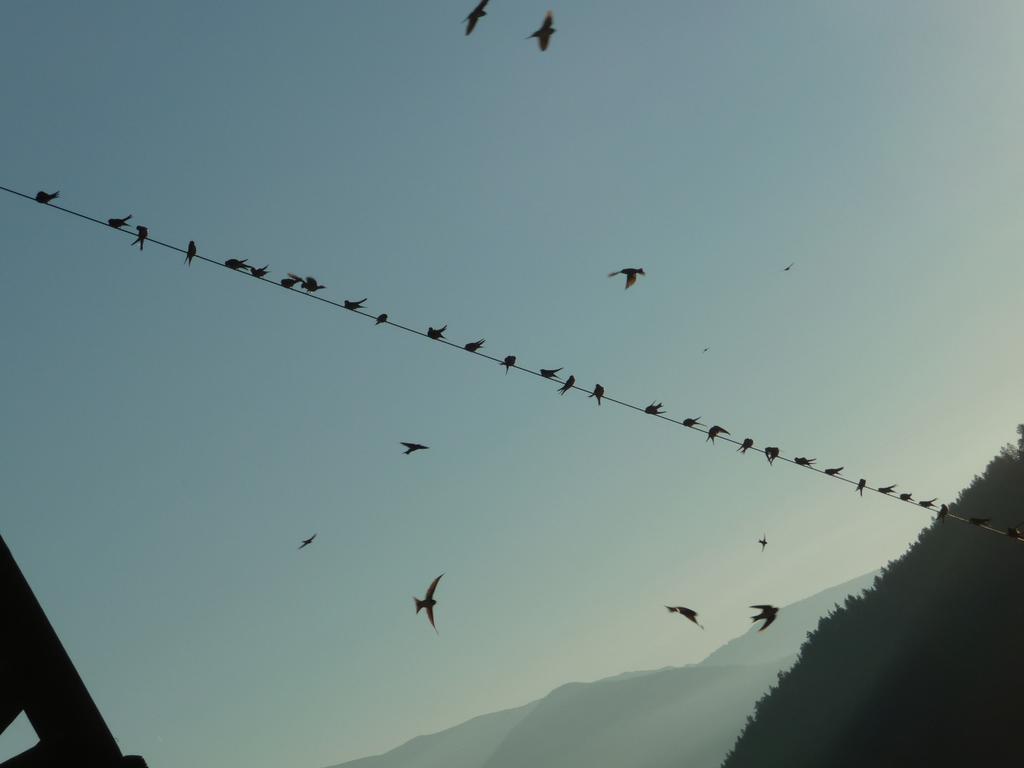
{"x": 171, "y": 434}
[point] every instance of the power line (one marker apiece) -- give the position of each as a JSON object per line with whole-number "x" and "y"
{"x": 944, "y": 512}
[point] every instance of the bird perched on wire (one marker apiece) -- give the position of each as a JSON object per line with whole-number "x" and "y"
{"x": 943, "y": 511}
{"x": 834, "y": 471}
{"x": 310, "y": 284}
{"x": 768, "y": 613}
{"x": 598, "y": 393}
{"x": 1015, "y": 533}
{"x": 381, "y": 318}
{"x": 803, "y": 461}
{"x": 748, "y": 442}
{"x": 654, "y": 409}
{"x": 260, "y": 271}
{"x": 549, "y": 373}
{"x": 354, "y": 305}
{"x": 428, "y": 602}
{"x": 888, "y": 489}
{"x": 545, "y": 32}
{"x": 860, "y": 486}
{"x": 979, "y": 521}
{"x": 691, "y": 423}
{"x": 763, "y": 541}
{"x": 474, "y": 16}
{"x": 119, "y": 223}
{"x": 569, "y": 384}
{"x": 508, "y": 362}
{"x": 290, "y": 281}
{"x": 236, "y": 264}
{"x": 140, "y": 238}
{"x": 906, "y": 497}
{"x": 771, "y": 453}
{"x": 46, "y": 197}
{"x": 928, "y": 504}
{"x": 436, "y": 333}
{"x": 191, "y": 253}
{"x": 688, "y": 613}
{"x": 473, "y": 346}
{"x": 306, "y": 542}
{"x": 630, "y": 273}
{"x": 714, "y": 432}
{"x": 413, "y": 447}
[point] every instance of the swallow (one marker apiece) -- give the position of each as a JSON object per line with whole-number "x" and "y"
{"x": 381, "y": 318}
{"x": 354, "y": 305}
{"x": 569, "y": 384}
{"x": 860, "y": 486}
{"x": 706, "y": 349}
{"x": 789, "y": 267}
{"x": 598, "y": 393}
{"x": 906, "y": 497}
{"x": 545, "y": 32}
{"x": 692, "y": 422}
{"x": 141, "y": 237}
{"x": 309, "y": 284}
{"x": 748, "y": 442}
{"x": 834, "y": 471}
{"x": 236, "y": 263}
{"x": 473, "y": 346}
{"x": 979, "y": 521}
{"x": 549, "y": 373}
{"x": 630, "y": 273}
{"x": 771, "y": 453}
{"x": 714, "y": 432}
{"x": 887, "y": 489}
{"x": 429, "y": 602}
{"x": 413, "y": 447}
{"x": 763, "y": 541}
{"x": 437, "y": 333}
{"x": 474, "y": 16}
{"x": 689, "y": 613}
{"x": 118, "y": 223}
{"x": 46, "y": 197}
{"x": 1015, "y": 533}
{"x": 289, "y": 282}
{"x": 260, "y": 271}
{"x": 943, "y": 511}
{"x": 928, "y": 504}
{"x": 307, "y": 542}
{"x": 508, "y": 362}
{"x": 654, "y": 409}
{"x": 191, "y": 253}
{"x": 804, "y": 461}
{"x": 768, "y": 613}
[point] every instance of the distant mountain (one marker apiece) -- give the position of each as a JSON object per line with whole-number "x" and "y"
{"x": 670, "y": 717}
{"x": 924, "y": 670}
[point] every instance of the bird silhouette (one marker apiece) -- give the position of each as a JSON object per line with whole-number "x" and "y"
{"x": 706, "y": 349}
{"x": 906, "y": 497}
{"x": 354, "y": 305}
{"x": 508, "y": 362}
{"x": 887, "y": 489}
{"x": 260, "y": 271}
{"x": 763, "y": 541}
{"x": 692, "y": 422}
{"x": 549, "y": 373}
{"x": 118, "y": 223}
{"x": 834, "y": 471}
{"x": 714, "y": 432}
{"x": 928, "y": 504}
{"x": 630, "y": 273}
{"x": 803, "y": 461}
{"x": 306, "y": 542}
{"x": 235, "y": 263}
{"x": 979, "y": 521}
{"x": 689, "y": 613}
{"x": 46, "y": 197}
{"x": 473, "y": 346}
{"x": 748, "y": 442}
{"x": 381, "y": 318}
{"x": 429, "y": 602}
{"x": 654, "y": 409}
{"x": 474, "y": 16}
{"x": 545, "y": 32}
{"x": 771, "y": 453}
{"x": 413, "y": 447}
{"x": 789, "y": 267}
{"x": 943, "y": 511}
{"x": 310, "y": 284}
{"x": 140, "y": 238}
{"x": 290, "y": 281}
{"x": 860, "y": 486}
{"x": 768, "y": 613}
{"x": 437, "y": 333}
{"x": 191, "y": 253}
{"x": 569, "y": 384}
{"x": 598, "y": 393}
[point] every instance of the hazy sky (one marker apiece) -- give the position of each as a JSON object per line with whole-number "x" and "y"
{"x": 170, "y": 434}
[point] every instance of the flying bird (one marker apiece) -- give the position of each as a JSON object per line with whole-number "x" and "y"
{"x": 437, "y": 333}
{"x": 191, "y": 253}
{"x": 508, "y": 362}
{"x": 354, "y": 305}
{"x": 46, "y": 197}
{"x": 260, "y": 271}
{"x": 598, "y": 393}
{"x": 834, "y": 471}
{"x": 706, "y": 349}
{"x": 474, "y": 16}
{"x": 306, "y": 542}
{"x": 381, "y": 318}
{"x": 569, "y": 384}
{"x": 413, "y": 447}
{"x": 141, "y": 237}
{"x": 763, "y": 541}
{"x": 549, "y": 373}
{"x": 654, "y": 409}
{"x": 290, "y": 281}
{"x": 714, "y": 432}
{"x": 545, "y": 32}
{"x": 928, "y": 504}
{"x": 429, "y": 602}
{"x": 771, "y": 453}
{"x": 803, "y": 461}
{"x": 309, "y": 284}
{"x": 630, "y": 273}
{"x": 236, "y": 264}
{"x": 906, "y": 497}
{"x": 768, "y": 613}
{"x": 887, "y": 489}
{"x": 692, "y": 422}
{"x": 860, "y": 486}
{"x": 473, "y": 346}
{"x": 789, "y": 267}
{"x": 118, "y": 223}
{"x": 689, "y": 613}
{"x": 748, "y": 442}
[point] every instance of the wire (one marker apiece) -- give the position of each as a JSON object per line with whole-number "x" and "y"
{"x": 1012, "y": 533}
